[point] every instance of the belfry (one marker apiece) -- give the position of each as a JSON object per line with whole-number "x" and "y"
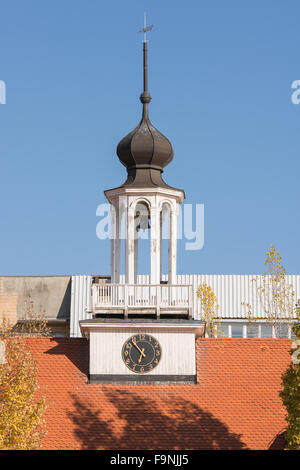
{"x": 147, "y": 327}
{"x": 144, "y": 198}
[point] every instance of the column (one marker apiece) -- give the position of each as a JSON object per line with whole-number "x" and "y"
{"x": 161, "y": 221}
{"x": 172, "y": 277}
{"x": 136, "y": 253}
{"x": 129, "y": 247}
{"x": 155, "y": 245}
{"x": 115, "y": 244}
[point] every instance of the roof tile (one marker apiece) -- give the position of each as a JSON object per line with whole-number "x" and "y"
{"x": 234, "y": 405}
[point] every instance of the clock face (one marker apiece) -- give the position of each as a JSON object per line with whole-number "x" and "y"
{"x": 141, "y": 353}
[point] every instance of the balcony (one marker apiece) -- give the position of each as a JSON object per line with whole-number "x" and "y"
{"x": 162, "y": 300}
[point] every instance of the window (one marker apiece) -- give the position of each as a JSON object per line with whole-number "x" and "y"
{"x": 252, "y": 330}
{"x": 255, "y": 330}
{"x": 223, "y": 330}
{"x": 266, "y": 331}
{"x": 236, "y": 330}
{"x": 282, "y": 330}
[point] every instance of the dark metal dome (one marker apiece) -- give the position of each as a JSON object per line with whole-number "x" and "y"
{"x": 145, "y": 151}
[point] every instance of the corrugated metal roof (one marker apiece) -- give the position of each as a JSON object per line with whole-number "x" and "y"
{"x": 230, "y": 290}
{"x": 81, "y": 297}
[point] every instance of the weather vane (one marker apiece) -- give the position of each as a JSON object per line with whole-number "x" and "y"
{"x": 145, "y": 28}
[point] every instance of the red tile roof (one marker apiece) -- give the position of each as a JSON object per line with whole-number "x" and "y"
{"x": 234, "y": 405}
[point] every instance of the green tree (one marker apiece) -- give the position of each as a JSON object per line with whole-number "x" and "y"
{"x": 290, "y": 394}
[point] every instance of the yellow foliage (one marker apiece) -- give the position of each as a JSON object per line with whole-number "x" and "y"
{"x": 21, "y": 423}
{"x": 210, "y": 309}
{"x": 298, "y": 310}
{"x": 275, "y": 295}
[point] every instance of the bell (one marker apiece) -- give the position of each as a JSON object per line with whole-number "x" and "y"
{"x": 143, "y": 223}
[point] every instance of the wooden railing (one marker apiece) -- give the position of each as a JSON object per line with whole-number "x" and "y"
{"x": 168, "y": 297}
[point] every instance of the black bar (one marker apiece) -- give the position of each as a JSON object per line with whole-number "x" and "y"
{"x": 141, "y": 379}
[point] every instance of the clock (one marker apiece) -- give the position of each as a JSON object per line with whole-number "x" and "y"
{"x": 141, "y": 353}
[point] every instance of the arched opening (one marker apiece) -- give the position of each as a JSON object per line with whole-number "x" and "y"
{"x": 142, "y": 228}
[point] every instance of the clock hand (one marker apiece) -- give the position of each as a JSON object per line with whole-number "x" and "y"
{"x": 140, "y": 358}
{"x": 141, "y": 351}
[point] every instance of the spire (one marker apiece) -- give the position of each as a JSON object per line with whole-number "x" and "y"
{"x": 145, "y": 96}
{"x": 145, "y": 151}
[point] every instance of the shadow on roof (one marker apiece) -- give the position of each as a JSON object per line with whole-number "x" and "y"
{"x": 278, "y": 443}
{"x": 153, "y": 420}
{"x": 69, "y": 347}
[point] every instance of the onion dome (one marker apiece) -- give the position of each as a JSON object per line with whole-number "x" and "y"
{"x": 145, "y": 152}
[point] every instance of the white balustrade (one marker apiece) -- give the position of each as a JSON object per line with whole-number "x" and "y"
{"x": 134, "y": 296}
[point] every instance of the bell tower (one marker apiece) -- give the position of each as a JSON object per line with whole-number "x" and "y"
{"x": 144, "y": 199}
{"x": 143, "y": 332}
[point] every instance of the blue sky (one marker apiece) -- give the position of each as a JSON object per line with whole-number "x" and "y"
{"x": 220, "y": 79}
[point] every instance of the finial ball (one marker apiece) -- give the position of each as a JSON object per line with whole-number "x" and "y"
{"x": 145, "y": 97}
